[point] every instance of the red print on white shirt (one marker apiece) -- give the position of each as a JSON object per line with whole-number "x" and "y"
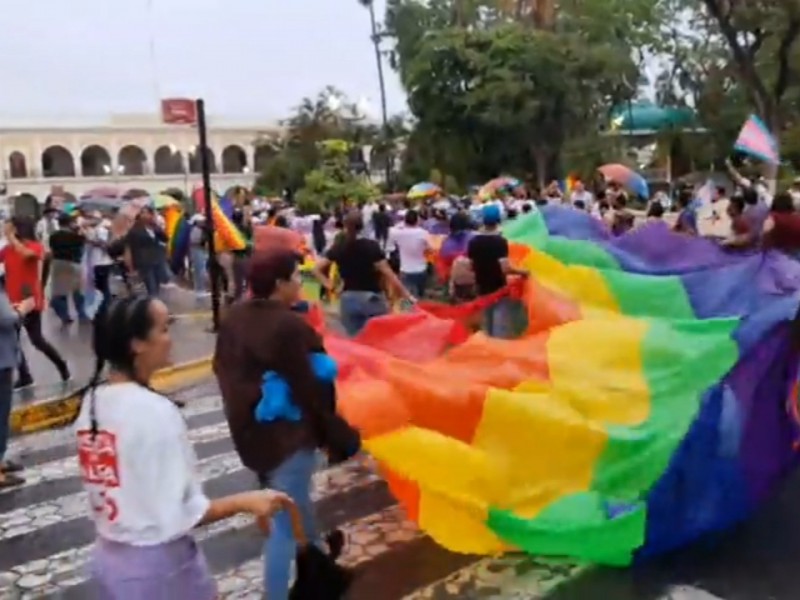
{"x": 97, "y": 457}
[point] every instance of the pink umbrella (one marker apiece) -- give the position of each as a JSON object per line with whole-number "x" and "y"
{"x": 101, "y": 192}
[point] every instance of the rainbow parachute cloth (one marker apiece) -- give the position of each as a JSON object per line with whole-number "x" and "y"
{"x": 646, "y": 404}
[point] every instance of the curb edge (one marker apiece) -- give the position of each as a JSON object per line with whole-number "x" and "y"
{"x": 59, "y": 411}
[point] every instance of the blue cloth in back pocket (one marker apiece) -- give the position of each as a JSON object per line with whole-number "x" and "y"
{"x": 276, "y": 397}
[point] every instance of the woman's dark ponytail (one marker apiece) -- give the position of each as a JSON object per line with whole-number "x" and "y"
{"x": 115, "y": 326}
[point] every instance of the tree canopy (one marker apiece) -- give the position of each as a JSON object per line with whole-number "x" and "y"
{"x": 319, "y": 157}
{"x": 498, "y": 85}
{"x": 531, "y": 86}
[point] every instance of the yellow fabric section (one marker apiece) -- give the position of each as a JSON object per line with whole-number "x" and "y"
{"x": 545, "y": 438}
{"x": 542, "y": 447}
{"x": 596, "y": 366}
{"x": 583, "y": 285}
{"x": 459, "y": 483}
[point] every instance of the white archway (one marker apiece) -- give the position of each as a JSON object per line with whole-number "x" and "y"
{"x": 132, "y": 160}
{"x": 17, "y": 166}
{"x": 57, "y": 161}
{"x": 168, "y": 161}
{"x": 234, "y": 159}
{"x": 95, "y": 161}
{"x": 194, "y": 161}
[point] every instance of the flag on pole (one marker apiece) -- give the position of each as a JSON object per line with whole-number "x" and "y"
{"x": 756, "y": 140}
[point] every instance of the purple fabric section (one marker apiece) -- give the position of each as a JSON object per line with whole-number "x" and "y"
{"x": 740, "y": 447}
{"x": 651, "y": 248}
{"x": 718, "y": 282}
{"x": 455, "y": 245}
{"x": 761, "y": 382}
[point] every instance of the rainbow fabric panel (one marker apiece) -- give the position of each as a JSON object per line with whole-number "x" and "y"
{"x": 644, "y": 406}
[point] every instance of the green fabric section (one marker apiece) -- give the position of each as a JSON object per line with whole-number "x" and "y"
{"x": 585, "y": 525}
{"x": 582, "y": 525}
{"x": 638, "y": 295}
{"x": 577, "y": 526}
{"x": 641, "y": 295}
{"x": 636, "y": 457}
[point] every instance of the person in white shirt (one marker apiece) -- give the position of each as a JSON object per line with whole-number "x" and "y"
{"x": 368, "y": 214}
{"x": 98, "y": 236}
{"x": 412, "y": 243}
{"x": 139, "y": 469}
{"x": 579, "y": 193}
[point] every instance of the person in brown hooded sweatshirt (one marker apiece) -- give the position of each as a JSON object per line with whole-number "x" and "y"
{"x": 264, "y": 334}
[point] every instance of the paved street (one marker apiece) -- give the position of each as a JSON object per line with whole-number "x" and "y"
{"x": 45, "y": 538}
{"x": 189, "y": 332}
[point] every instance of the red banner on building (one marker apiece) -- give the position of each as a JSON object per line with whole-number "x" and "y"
{"x": 179, "y": 111}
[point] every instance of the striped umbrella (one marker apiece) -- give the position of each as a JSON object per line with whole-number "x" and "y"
{"x": 490, "y": 189}
{"x": 423, "y": 190}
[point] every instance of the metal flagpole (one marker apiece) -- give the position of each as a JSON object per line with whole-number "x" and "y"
{"x": 205, "y": 168}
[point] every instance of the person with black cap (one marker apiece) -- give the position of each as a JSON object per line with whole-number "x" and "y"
{"x": 488, "y": 251}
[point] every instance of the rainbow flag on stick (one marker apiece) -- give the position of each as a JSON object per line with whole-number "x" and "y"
{"x": 227, "y": 238}
{"x": 178, "y": 231}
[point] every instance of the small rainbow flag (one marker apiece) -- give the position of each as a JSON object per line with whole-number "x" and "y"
{"x": 756, "y": 140}
{"x": 178, "y": 230}
{"x": 227, "y": 238}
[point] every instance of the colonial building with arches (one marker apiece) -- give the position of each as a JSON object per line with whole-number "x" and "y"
{"x": 127, "y": 151}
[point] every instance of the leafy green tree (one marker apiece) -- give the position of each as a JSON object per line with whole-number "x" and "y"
{"x": 499, "y": 86}
{"x": 297, "y": 152}
{"x": 333, "y": 181}
{"x": 730, "y": 58}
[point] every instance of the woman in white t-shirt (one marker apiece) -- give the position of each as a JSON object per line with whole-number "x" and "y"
{"x": 139, "y": 469}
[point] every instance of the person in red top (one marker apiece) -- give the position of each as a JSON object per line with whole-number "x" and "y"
{"x": 22, "y": 257}
{"x": 741, "y": 235}
{"x": 782, "y": 227}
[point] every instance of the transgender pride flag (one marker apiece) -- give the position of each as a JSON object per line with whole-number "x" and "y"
{"x": 756, "y": 140}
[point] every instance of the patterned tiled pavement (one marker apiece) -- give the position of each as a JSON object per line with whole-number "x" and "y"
{"x": 45, "y": 538}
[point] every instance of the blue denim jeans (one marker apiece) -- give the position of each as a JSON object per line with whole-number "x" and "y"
{"x": 151, "y": 278}
{"x": 6, "y": 395}
{"x": 415, "y": 282}
{"x": 293, "y": 477}
{"x": 198, "y": 257}
{"x": 356, "y": 308}
{"x": 499, "y": 319}
{"x": 60, "y": 305}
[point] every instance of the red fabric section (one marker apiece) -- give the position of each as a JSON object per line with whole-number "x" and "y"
{"x": 268, "y": 237}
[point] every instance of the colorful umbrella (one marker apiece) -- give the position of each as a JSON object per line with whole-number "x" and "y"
{"x": 423, "y": 190}
{"x": 162, "y": 201}
{"x": 627, "y": 177}
{"x": 489, "y": 189}
{"x": 106, "y": 191}
{"x": 135, "y": 193}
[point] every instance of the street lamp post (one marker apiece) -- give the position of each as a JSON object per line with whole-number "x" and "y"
{"x": 376, "y": 42}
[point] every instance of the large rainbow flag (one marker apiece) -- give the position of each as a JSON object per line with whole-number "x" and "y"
{"x": 645, "y": 406}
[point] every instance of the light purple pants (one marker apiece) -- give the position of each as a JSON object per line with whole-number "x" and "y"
{"x": 176, "y": 570}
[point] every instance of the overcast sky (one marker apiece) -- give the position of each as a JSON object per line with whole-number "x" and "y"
{"x": 250, "y": 59}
